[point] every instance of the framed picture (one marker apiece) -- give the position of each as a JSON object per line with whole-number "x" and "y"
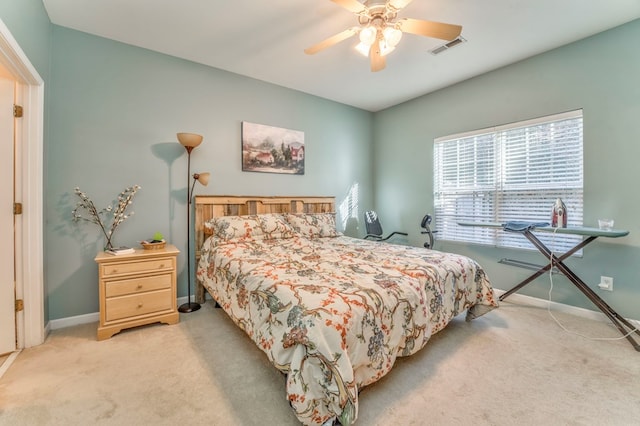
{"x": 270, "y": 149}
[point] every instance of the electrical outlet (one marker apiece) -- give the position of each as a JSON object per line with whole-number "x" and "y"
{"x": 606, "y": 283}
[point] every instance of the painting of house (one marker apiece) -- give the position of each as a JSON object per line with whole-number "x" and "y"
{"x": 271, "y": 149}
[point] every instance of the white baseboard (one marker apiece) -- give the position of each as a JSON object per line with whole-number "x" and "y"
{"x": 71, "y": 321}
{"x": 84, "y": 319}
{"x": 559, "y": 307}
{"x": 514, "y": 298}
{"x": 7, "y": 362}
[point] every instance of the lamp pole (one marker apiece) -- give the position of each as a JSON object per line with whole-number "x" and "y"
{"x": 190, "y": 141}
{"x": 189, "y": 306}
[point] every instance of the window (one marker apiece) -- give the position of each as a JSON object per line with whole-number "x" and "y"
{"x": 510, "y": 172}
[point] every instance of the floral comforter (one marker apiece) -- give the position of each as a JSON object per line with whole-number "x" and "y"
{"x": 334, "y": 313}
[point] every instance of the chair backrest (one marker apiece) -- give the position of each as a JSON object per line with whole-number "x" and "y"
{"x": 372, "y": 223}
{"x": 425, "y": 224}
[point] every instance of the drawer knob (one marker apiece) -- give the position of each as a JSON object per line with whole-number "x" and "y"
{"x": 139, "y": 286}
{"x": 114, "y": 271}
{"x": 161, "y": 265}
{"x": 139, "y": 305}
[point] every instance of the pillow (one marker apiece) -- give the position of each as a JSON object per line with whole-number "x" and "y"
{"x": 227, "y": 229}
{"x": 274, "y": 226}
{"x": 314, "y": 225}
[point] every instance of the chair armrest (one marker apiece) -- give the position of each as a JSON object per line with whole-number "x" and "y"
{"x": 398, "y": 233}
{"x": 392, "y": 234}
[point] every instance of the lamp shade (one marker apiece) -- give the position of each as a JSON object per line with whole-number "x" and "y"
{"x": 363, "y": 49}
{"x": 189, "y": 140}
{"x": 368, "y": 35}
{"x": 203, "y": 178}
{"x": 385, "y": 48}
{"x": 392, "y": 36}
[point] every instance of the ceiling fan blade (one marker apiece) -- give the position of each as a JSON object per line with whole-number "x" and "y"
{"x": 377, "y": 60}
{"x": 331, "y": 41}
{"x": 399, "y": 4}
{"x": 430, "y": 29}
{"x": 353, "y": 5}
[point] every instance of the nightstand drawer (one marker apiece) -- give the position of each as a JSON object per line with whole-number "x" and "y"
{"x": 138, "y": 304}
{"x": 137, "y": 266}
{"x": 137, "y": 285}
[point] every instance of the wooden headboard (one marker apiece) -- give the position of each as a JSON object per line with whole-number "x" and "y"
{"x": 208, "y": 206}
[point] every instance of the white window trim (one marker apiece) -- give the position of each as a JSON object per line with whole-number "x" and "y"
{"x": 515, "y": 125}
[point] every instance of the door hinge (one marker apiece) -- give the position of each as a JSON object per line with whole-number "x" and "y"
{"x": 17, "y": 111}
{"x": 17, "y": 208}
{"x": 19, "y": 305}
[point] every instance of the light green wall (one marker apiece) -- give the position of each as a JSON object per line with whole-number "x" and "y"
{"x": 598, "y": 74}
{"x": 30, "y": 26}
{"x": 115, "y": 110}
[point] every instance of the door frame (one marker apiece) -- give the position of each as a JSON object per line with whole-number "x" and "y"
{"x": 29, "y": 244}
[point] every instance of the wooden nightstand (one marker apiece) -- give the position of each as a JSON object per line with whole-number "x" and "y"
{"x": 137, "y": 289}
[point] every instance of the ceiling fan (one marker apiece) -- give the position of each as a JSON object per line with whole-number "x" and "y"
{"x": 380, "y": 30}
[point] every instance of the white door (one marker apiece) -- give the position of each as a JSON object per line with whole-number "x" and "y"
{"x": 7, "y": 278}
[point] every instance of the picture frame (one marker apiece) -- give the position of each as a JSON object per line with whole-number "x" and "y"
{"x": 269, "y": 149}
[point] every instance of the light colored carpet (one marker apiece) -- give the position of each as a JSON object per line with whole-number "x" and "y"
{"x": 512, "y": 366}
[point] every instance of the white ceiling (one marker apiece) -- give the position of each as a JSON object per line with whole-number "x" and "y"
{"x": 265, "y": 39}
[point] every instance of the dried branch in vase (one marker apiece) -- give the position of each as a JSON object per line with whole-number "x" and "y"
{"x": 114, "y": 213}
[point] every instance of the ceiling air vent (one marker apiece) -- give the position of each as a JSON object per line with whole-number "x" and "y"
{"x": 448, "y": 45}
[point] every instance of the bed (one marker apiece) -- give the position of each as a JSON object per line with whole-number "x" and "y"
{"x": 331, "y": 312}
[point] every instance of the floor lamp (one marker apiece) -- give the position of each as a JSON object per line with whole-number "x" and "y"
{"x": 190, "y": 141}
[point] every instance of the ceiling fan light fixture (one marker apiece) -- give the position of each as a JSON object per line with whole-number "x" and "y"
{"x": 368, "y": 35}
{"x": 363, "y": 49}
{"x": 386, "y": 48}
{"x": 392, "y": 36}
{"x": 380, "y": 31}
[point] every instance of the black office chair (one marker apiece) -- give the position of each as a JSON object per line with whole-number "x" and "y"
{"x": 374, "y": 228}
{"x": 426, "y": 221}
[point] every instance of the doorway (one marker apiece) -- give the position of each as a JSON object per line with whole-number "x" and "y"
{"x": 27, "y": 190}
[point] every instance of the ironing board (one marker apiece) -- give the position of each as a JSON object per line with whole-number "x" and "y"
{"x": 591, "y": 234}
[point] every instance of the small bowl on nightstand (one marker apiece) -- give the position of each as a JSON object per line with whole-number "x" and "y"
{"x": 153, "y": 244}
